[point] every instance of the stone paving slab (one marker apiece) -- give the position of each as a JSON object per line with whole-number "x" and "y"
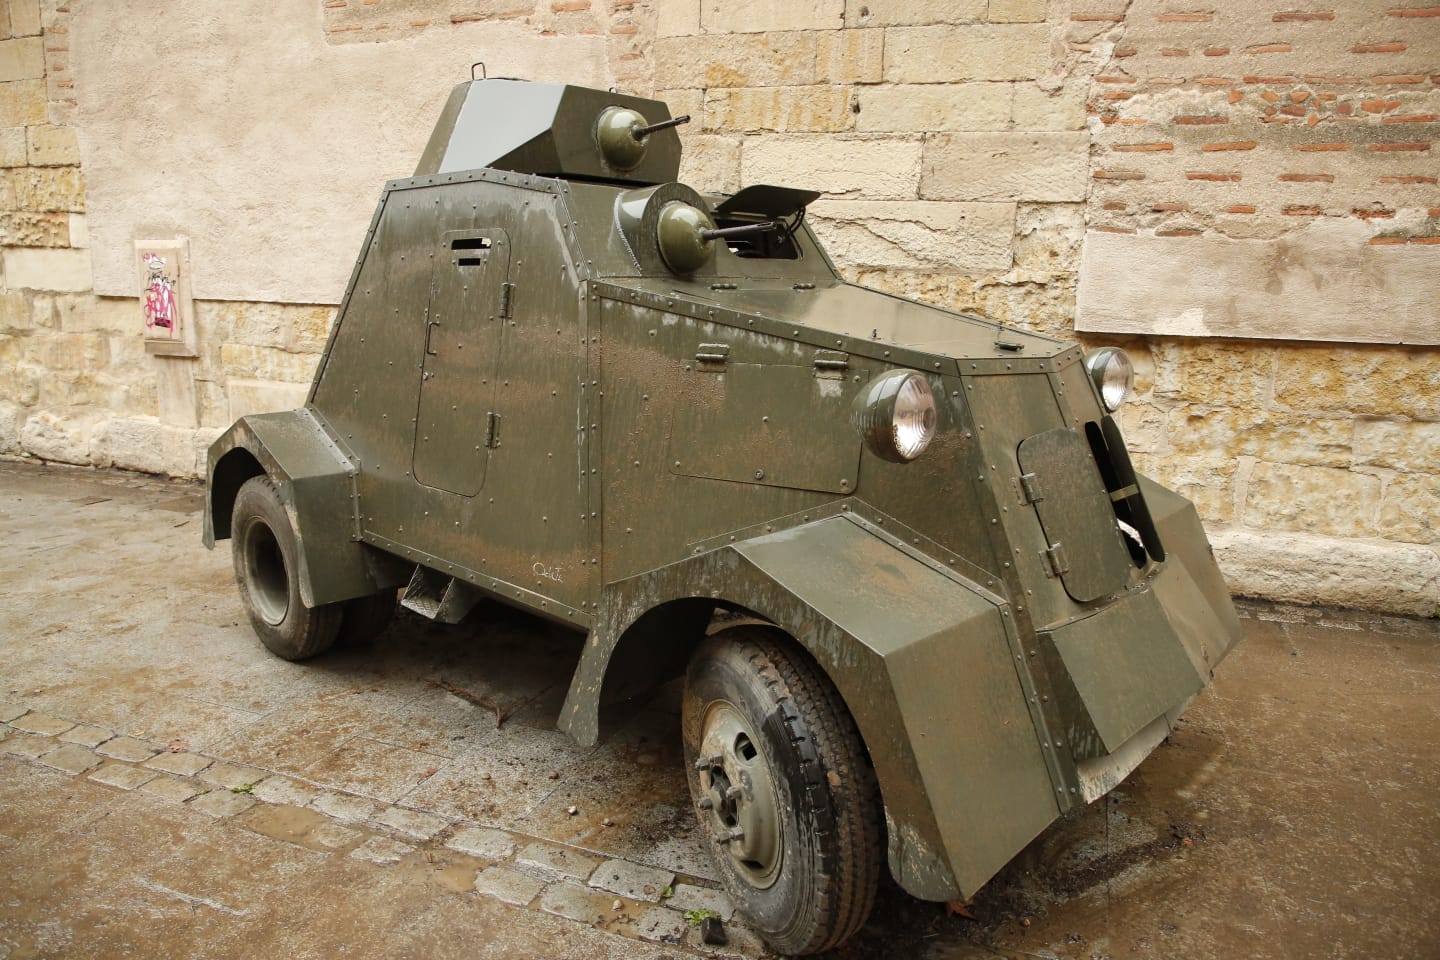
{"x": 170, "y": 788}
{"x": 86, "y": 735}
{"x": 222, "y": 803}
{"x": 382, "y": 850}
{"x": 127, "y": 748}
{"x": 71, "y": 758}
{"x": 279, "y": 789}
{"x": 46, "y": 726}
{"x": 555, "y": 862}
{"x": 688, "y": 896}
{"x": 231, "y": 775}
{"x": 632, "y": 880}
{"x": 343, "y": 806}
{"x": 123, "y": 776}
{"x": 482, "y": 842}
{"x": 412, "y": 823}
{"x": 505, "y": 884}
{"x": 571, "y": 900}
{"x": 184, "y": 764}
{"x": 26, "y": 745}
{"x": 9, "y": 711}
{"x": 660, "y": 925}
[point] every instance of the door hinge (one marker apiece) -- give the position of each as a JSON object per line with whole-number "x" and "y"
{"x": 712, "y": 353}
{"x": 1030, "y": 491}
{"x": 492, "y": 429}
{"x": 507, "y": 300}
{"x": 1059, "y": 562}
{"x": 831, "y": 364}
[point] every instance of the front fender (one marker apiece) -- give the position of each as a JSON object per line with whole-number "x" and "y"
{"x": 317, "y": 485}
{"x": 925, "y": 662}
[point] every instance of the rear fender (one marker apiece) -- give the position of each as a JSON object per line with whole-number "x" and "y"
{"x": 924, "y": 662}
{"x": 317, "y": 485}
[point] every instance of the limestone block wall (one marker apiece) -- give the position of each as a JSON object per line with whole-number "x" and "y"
{"x": 1243, "y": 197}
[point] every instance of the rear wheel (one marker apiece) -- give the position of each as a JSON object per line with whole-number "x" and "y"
{"x": 781, "y": 781}
{"x": 266, "y": 559}
{"x": 365, "y": 618}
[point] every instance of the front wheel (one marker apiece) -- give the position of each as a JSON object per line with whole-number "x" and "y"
{"x": 267, "y": 570}
{"x": 781, "y": 781}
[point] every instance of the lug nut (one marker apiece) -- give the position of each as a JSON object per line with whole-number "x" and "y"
{"x": 733, "y": 793}
{"x": 702, "y": 763}
{"x": 705, "y": 803}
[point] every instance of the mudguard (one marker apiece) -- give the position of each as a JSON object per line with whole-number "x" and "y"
{"x": 317, "y": 485}
{"x": 925, "y": 662}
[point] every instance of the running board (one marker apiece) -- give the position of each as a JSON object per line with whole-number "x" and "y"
{"x": 438, "y": 597}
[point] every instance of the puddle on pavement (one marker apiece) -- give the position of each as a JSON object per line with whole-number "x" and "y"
{"x": 451, "y": 871}
{"x": 282, "y": 821}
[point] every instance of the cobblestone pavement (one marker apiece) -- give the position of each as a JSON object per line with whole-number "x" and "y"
{"x": 170, "y": 789}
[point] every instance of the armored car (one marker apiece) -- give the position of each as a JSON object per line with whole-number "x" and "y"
{"x": 922, "y": 602}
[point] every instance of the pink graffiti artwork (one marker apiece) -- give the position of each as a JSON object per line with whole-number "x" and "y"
{"x": 161, "y": 308}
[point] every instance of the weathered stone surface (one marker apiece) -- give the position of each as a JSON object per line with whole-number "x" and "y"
{"x": 53, "y": 146}
{"x": 26, "y": 229}
{"x": 737, "y": 60}
{"x": 123, "y": 776}
{"x": 1318, "y": 282}
{"x": 946, "y": 54}
{"x": 821, "y": 108}
{"x": 127, "y": 748}
{"x": 1034, "y": 108}
{"x": 22, "y": 103}
{"x": 247, "y": 397}
{"x": 22, "y": 59}
{"x": 12, "y": 148}
{"x": 9, "y": 711}
{"x": 551, "y": 861}
{"x": 1208, "y": 482}
{"x": 483, "y": 842}
{"x": 758, "y": 16}
{"x": 267, "y": 363}
{"x": 633, "y": 880}
{"x": 677, "y": 18}
{"x": 26, "y": 745}
{"x": 1266, "y": 434}
{"x": 1216, "y": 372}
{"x": 42, "y": 724}
{"x": 1316, "y": 500}
{"x": 893, "y": 13}
{"x": 171, "y": 788}
{"x": 11, "y": 419}
{"x": 71, "y": 758}
{"x": 921, "y": 108}
{"x": 24, "y": 18}
{"x": 52, "y": 437}
{"x": 688, "y": 896}
{"x": 1368, "y": 380}
{"x": 711, "y": 163}
{"x": 222, "y": 803}
{"x": 86, "y": 735}
{"x": 1402, "y": 444}
{"x": 1410, "y": 510}
{"x": 505, "y": 884}
{"x": 1006, "y": 166}
{"x": 1330, "y": 571}
{"x": 577, "y": 902}
{"x": 850, "y": 56}
{"x": 40, "y": 269}
{"x": 969, "y": 237}
{"x": 145, "y": 444}
{"x": 661, "y": 925}
{"x": 278, "y": 789}
{"x": 864, "y": 168}
{"x": 412, "y": 823}
{"x": 183, "y": 764}
{"x": 1015, "y": 11}
{"x": 232, "y": 775}
{"x": 344, "y": 807}
{"x": 382, "y": 850}
{"x": 50, "y": 188}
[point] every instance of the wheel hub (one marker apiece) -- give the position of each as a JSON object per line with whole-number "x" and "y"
{"x": 737, "y": 795}
{"x": 265, "y": 575}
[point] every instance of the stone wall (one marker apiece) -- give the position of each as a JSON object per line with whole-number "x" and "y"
{"x": 1140, "y": 165}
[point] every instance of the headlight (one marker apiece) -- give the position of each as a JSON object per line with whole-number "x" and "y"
{"x": 1113, "y": 375}
{"x": 896, "y": 415}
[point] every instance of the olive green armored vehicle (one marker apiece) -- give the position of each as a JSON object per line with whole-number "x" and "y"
{"x": 922, "y": 603}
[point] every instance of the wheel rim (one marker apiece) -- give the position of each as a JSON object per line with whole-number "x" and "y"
{"x": 266, "y": 579}
{"x": 737, "y": 795}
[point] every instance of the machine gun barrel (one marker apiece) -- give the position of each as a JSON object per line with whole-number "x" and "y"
{"x": 640, "y": 133}
{"x": 744, "y": 230}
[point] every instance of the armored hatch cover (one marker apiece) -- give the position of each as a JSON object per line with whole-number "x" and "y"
{"x": 546, "y": 129}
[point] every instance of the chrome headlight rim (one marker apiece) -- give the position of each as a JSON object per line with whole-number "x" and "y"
{"x": 897, "y": 415}
{"x": 1113, "y": 374}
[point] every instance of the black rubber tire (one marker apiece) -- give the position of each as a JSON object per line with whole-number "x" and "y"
{"x": 829, "y": 802}
{"x": 267, "y": 566}
{"x": 365, "y": 618}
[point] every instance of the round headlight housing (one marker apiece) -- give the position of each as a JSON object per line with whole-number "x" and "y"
{"x": 896, "y": 415}
{"x": 1113, "y": 374}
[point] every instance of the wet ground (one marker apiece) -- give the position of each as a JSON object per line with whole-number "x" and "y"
{"x": 167, "y": 788}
